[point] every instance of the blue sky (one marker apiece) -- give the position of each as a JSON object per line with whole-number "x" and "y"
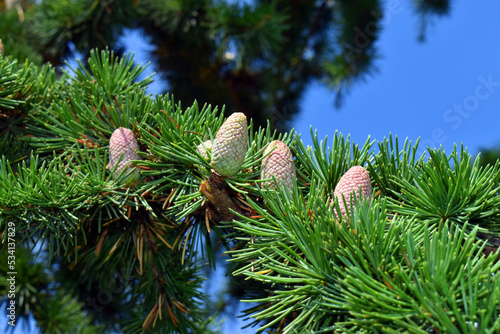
{"x": 445, "y": 91}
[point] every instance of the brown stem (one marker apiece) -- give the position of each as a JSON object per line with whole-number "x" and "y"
{"x": 213, "y": 189}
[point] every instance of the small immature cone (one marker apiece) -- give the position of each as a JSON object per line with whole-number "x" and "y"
{"x": 353, "y": 180}
{"x": 201, "y": 148}
{"x": 279, "y": 164}
{"x": 123, "y": 148}
{"x": 230, "y": 145}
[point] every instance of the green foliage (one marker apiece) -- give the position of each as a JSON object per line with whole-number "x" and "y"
{"x": 249, "y": 29}
{"x": 64, "y": 315}
{"x": 84, "y": 22}
{"x": 94, "y": 103}
{"x": 489, "y": 155}
{"x": 438, "y": 193}
{"x": 129, "y": 258}
{"x": 374, "y": 274}
{"x": 391, "y": 164}
{"x": 16, "y": 43}
{"x": 329, "y": 163}
{"x": 22, "y": 89}
{"x": 10, "y": 86}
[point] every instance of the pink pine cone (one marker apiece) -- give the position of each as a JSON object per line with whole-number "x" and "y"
{"x": 230, "y": 145}
{"x": 123, "y": 148}
{"x": 279, "y": 164}
{"x": 353, "y": 180}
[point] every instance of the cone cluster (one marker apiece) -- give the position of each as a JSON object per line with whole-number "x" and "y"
{"x": 229, "y": 149}
{"x": 123, "y": 149}
{"x": 355, "y": 182}
{"x": 230, "y": 145}
{"x": 278, "y": 163}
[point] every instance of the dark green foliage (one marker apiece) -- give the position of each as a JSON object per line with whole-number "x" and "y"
{"x": 56, "y": 310}
{"x": 15, "y": 42}
{"x": 86, "y": 23}
{"x": 23, "y": 87}
{"x": 427, "y": 10}
{"x": 442, "y": 194}
{"x": 375, "y": 275}
{"x": 63, "y": 198}
{"x": 391, "y": 164}
{"x": 489, "y": 156}
{"x": 330, "y": 163}
{"x": 98, "y": 101}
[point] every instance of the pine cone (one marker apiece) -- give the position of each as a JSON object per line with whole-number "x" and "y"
{"x": 230, "y": 145}
{"x": 355, "y": 178}
{"x": 122, "y": 149}
{"x": 201, "y": 148}
{"x": 278, "y": 164}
